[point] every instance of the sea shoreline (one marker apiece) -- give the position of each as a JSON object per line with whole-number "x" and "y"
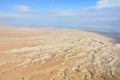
{"x": 114, "y": 36}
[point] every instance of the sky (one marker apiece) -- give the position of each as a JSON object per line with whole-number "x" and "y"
{"x": 61, "y": 13}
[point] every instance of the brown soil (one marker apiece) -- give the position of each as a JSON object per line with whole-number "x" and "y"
{"x": 57, "y": 54}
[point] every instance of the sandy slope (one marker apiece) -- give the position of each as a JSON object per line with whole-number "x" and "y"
{"x": 57, "y": 54}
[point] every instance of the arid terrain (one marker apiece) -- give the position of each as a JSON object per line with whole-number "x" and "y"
{"x": 57, "y": 54}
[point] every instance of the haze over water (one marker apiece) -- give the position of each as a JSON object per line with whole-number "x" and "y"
{"x": 100, "y": 15}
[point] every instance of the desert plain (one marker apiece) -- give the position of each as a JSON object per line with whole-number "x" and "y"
{"x": 57, "y": 54}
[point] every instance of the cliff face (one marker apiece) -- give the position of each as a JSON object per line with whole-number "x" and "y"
{"x": 57, "y": 54}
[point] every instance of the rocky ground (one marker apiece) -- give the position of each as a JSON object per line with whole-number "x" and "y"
{"x": 57, "y": 54}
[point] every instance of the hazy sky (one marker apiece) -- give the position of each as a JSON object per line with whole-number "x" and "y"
{"x": 61, "y": 13}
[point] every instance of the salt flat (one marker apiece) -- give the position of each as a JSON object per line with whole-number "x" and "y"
{"x": 57, "y": 54}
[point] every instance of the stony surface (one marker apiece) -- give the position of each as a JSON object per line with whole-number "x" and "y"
{"x": 57, "y": 54}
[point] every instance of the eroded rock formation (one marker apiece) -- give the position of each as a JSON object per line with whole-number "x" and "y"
{"x": 57, "y": 54}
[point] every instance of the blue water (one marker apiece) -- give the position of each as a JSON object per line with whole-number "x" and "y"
{"x": 112, "y": 32}
{"x": 115, "y": 30}
{"x": 109, "y": 32}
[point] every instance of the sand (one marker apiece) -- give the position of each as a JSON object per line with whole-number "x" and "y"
{"x": 57, "y": 54}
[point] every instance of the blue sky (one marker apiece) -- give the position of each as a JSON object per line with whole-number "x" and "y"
{"x": 61, "y": 13}
{"x": 47, "y": 4}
